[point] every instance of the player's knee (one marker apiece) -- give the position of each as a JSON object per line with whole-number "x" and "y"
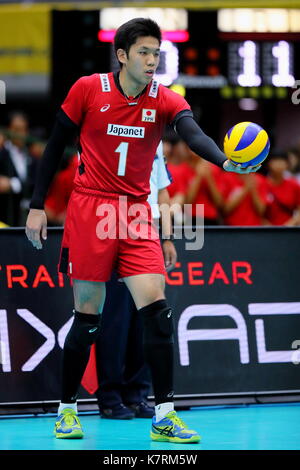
{"x": 91, "y": 308}
{"x": 152, "y": 294}
{"x": 89, "y": 296}
{"x": 158, "y": 323}
{"x": 84, "y": 330}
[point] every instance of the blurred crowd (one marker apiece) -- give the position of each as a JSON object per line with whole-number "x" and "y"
{"x": 21, "y": 149}
{"x": 269, "y": 197}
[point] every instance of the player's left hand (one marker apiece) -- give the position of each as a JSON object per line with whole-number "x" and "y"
{"x": 170, "y": 254}
{"x": 229, "y": 166}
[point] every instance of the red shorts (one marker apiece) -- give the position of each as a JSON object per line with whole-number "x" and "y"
{"x": 104, "y": 232}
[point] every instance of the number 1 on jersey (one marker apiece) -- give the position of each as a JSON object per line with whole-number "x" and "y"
{"x": 122, "y": 149}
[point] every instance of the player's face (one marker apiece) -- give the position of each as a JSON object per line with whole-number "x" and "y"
{"x": 142, "y": 60}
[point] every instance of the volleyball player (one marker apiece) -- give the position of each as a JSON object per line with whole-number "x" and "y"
{"x": 120, "y": 119}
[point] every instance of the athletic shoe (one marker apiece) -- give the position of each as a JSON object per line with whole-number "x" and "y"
{"x": 119, "y": 411}
{"x": 142, "y": 410}
{"x": 68, "y": 425}
{"x": 172, "y": 429}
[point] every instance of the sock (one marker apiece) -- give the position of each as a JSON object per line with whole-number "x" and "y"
{"x": 163, "y": 409}
{"x": 76, "y": 353}
{"x": 62, "y": 406}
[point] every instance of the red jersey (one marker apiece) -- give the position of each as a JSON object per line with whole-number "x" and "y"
{"x": 182, "y": 175}
{"x": 204, "y": 196}
{"x": 284, "y": 198}
{"x": 118, "y": 140}
{"x": 245, "y": 213}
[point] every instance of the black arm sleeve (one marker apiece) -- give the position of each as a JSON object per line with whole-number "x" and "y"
{"x": 198, "y": 141}
{"x": 64, "y": 129}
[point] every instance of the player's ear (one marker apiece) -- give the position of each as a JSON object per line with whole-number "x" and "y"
{"x": 122, "y": 56}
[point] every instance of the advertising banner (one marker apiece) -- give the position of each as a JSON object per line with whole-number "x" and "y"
{"x": 236, "y": 305}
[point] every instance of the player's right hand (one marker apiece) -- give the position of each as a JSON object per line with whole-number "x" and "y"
{"x": 36, "y": 226}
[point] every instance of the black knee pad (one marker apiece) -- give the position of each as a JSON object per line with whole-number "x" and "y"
{"x": 158, "y": 323}
{"x": 84, "y": 330}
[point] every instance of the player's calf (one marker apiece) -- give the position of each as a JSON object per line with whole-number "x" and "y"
{"x": 158, "y": 348}
{"x": 76, "y": 352}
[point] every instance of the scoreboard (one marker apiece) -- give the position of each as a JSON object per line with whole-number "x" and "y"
{"x": 251, "y": 63}
{"x": 202, "y": 56}
{"x": 199, "y": 56}
{"x": 241, "y": 59}
{"x": 210, "y": 65}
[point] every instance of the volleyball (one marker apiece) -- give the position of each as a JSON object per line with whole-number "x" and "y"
{"x": 246, "y": 144}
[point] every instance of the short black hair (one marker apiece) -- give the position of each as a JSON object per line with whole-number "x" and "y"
{"x": 129, "y": 32}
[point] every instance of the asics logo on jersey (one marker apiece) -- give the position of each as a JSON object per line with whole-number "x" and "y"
{"x": 105, "y": 108}
{"x": 126, "y": 131}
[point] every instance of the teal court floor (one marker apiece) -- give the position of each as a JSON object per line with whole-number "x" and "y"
{"x": 250, "y": 427}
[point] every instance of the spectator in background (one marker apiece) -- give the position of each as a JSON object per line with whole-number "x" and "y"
{"x": 36, "y": 147}
{"x": 284, "y": 193}
{"x": 294, "y": 163}
{"x": 245, "y": 199}
{"x": 181, "y": 163}
{"x": 205, "y": 188}
{"x": 168, "y": 141}
{"x": 174, "y": 160}
{"x": 15, "y": 170}
{"x": 2, "y": 140}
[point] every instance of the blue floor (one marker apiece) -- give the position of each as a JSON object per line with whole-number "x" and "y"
{"x": 251, "y": 427}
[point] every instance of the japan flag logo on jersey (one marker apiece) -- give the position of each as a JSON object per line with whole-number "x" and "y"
{"x": 148, "y": 115}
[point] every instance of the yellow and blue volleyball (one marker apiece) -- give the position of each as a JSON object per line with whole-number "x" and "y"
{"x": 246, "y": 144}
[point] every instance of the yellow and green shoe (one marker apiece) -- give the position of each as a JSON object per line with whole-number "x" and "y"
{"x": 172, "y": 429}
{"x": 68, "y": 425}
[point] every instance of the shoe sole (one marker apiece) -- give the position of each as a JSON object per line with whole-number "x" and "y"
{"x": 145, "y": 417}
{"x": 114, "y": 417}
{"x": 177, "y": 440}
{"x": 71, "y": 435}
